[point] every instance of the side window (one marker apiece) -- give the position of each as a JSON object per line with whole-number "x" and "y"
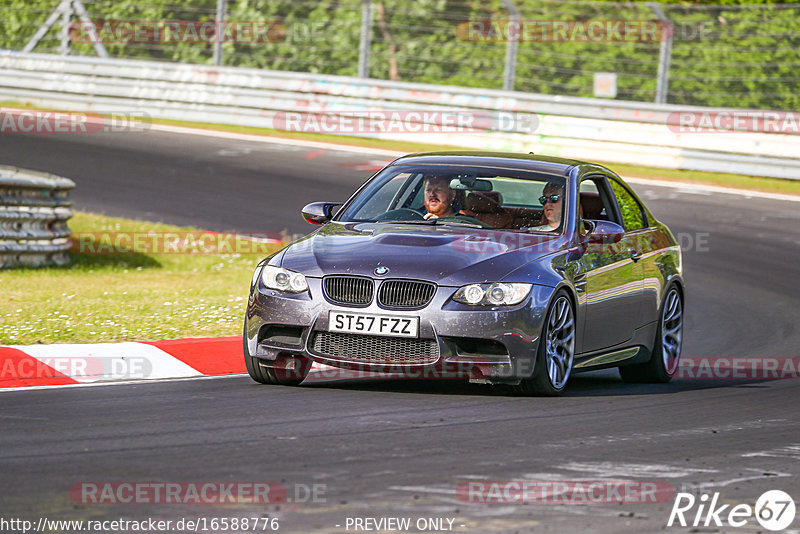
{"x": 632, "y": 215}
{"x": 593, "y": 201}
{"x": 386, "y": 198}
{"x": 407, "y": 191}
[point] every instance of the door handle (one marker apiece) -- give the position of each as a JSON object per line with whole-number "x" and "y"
{"x": 635, "y": 254}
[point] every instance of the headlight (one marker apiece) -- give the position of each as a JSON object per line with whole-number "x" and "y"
{"x": 283, "y": 280}
{"x": 496, "y": 294}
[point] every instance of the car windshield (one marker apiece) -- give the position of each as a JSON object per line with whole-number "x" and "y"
{"x": 480, "y": 197}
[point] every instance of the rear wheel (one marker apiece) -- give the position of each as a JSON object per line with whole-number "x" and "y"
{"x": 663, "y": 363}
{"x": 271, "y": 375}
{"x": 556, "y": 351}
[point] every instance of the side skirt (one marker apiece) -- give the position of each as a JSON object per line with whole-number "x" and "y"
{"x": 636, "y": 350}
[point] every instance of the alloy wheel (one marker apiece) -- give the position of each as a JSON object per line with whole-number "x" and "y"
{"x": 560, "y": 342}
{"x": 671, "y": 331}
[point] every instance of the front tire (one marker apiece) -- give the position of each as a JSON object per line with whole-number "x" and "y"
{"x": 269, "y": 375}
{"x": 556, "y": 351}
{"x": 666, "y": 355}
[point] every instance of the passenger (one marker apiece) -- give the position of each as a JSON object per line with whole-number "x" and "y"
{"x": 552, "y": 200}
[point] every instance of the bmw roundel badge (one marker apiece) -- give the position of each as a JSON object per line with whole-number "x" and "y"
{"x": 380, "y": 271}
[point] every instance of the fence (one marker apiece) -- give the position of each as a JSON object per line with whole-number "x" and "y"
{"x": 34, "y": 209}
{"x": 738, "y": 56}
{"x": 581, "y": 128}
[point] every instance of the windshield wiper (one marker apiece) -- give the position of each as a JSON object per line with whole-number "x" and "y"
{"x": 429, "y": 222}
{"x": 434, "y": 222}
{"x": 456, "y": 223}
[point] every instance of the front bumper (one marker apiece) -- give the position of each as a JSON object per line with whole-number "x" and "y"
{"x": 489, "y": 344}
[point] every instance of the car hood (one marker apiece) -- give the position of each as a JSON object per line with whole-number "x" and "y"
{"x": 447, "y": 255}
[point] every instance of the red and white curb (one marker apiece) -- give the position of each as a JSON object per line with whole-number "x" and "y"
{"x": 60, "y": 365}
{"x": 73, "y": 364}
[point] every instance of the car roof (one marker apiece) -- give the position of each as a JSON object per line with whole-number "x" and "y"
{"x": 531, "y": 162}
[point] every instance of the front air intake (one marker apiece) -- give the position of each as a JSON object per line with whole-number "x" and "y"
{"x": 375, "y": 349}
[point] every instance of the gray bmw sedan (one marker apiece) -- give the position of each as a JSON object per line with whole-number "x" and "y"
{"x": 498, "y": 268}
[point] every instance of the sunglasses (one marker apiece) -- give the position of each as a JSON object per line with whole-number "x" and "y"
{"x": 550, "y": 198}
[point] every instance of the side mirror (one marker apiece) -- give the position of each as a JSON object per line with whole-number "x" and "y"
{"x": 319, "y": 212}
{"x": 603, "y": 232}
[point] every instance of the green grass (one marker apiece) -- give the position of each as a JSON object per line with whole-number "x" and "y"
{"x": 738, "y": 181}
{"x": 139, "y": 296}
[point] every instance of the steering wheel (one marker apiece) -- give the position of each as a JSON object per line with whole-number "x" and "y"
{"x": 400, "y": 214}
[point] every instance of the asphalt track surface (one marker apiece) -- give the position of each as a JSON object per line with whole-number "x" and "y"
{"x": 386, "y": 448}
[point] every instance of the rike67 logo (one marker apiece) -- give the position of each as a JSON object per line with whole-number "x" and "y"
{"x": 774, "y": 510}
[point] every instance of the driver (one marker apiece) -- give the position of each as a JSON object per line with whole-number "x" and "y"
{"x": 440, "y": 200}
{"x": 552, "y": 200}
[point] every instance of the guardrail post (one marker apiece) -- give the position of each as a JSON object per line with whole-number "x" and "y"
{"x": 220, "y": 31}
{"x": 65, "y": 10}
{"x": 512, "y": 45}
{"x": 34, "y": 209}
{"x": 366, "y": 39}
{"x": 66, "y": 17}
{"x": 63, "y": 6}
{"x": 664, "y": 53}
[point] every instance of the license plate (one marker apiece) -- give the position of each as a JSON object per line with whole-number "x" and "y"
{"x": 376, "y": 325}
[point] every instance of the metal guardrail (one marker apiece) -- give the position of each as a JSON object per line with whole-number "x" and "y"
{"x": 582, "y": 128}
{"x": 34, "y": 209}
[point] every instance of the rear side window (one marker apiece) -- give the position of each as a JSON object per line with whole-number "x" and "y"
{"x": 520, "y": 193}
{"x": 632, "y": 214}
